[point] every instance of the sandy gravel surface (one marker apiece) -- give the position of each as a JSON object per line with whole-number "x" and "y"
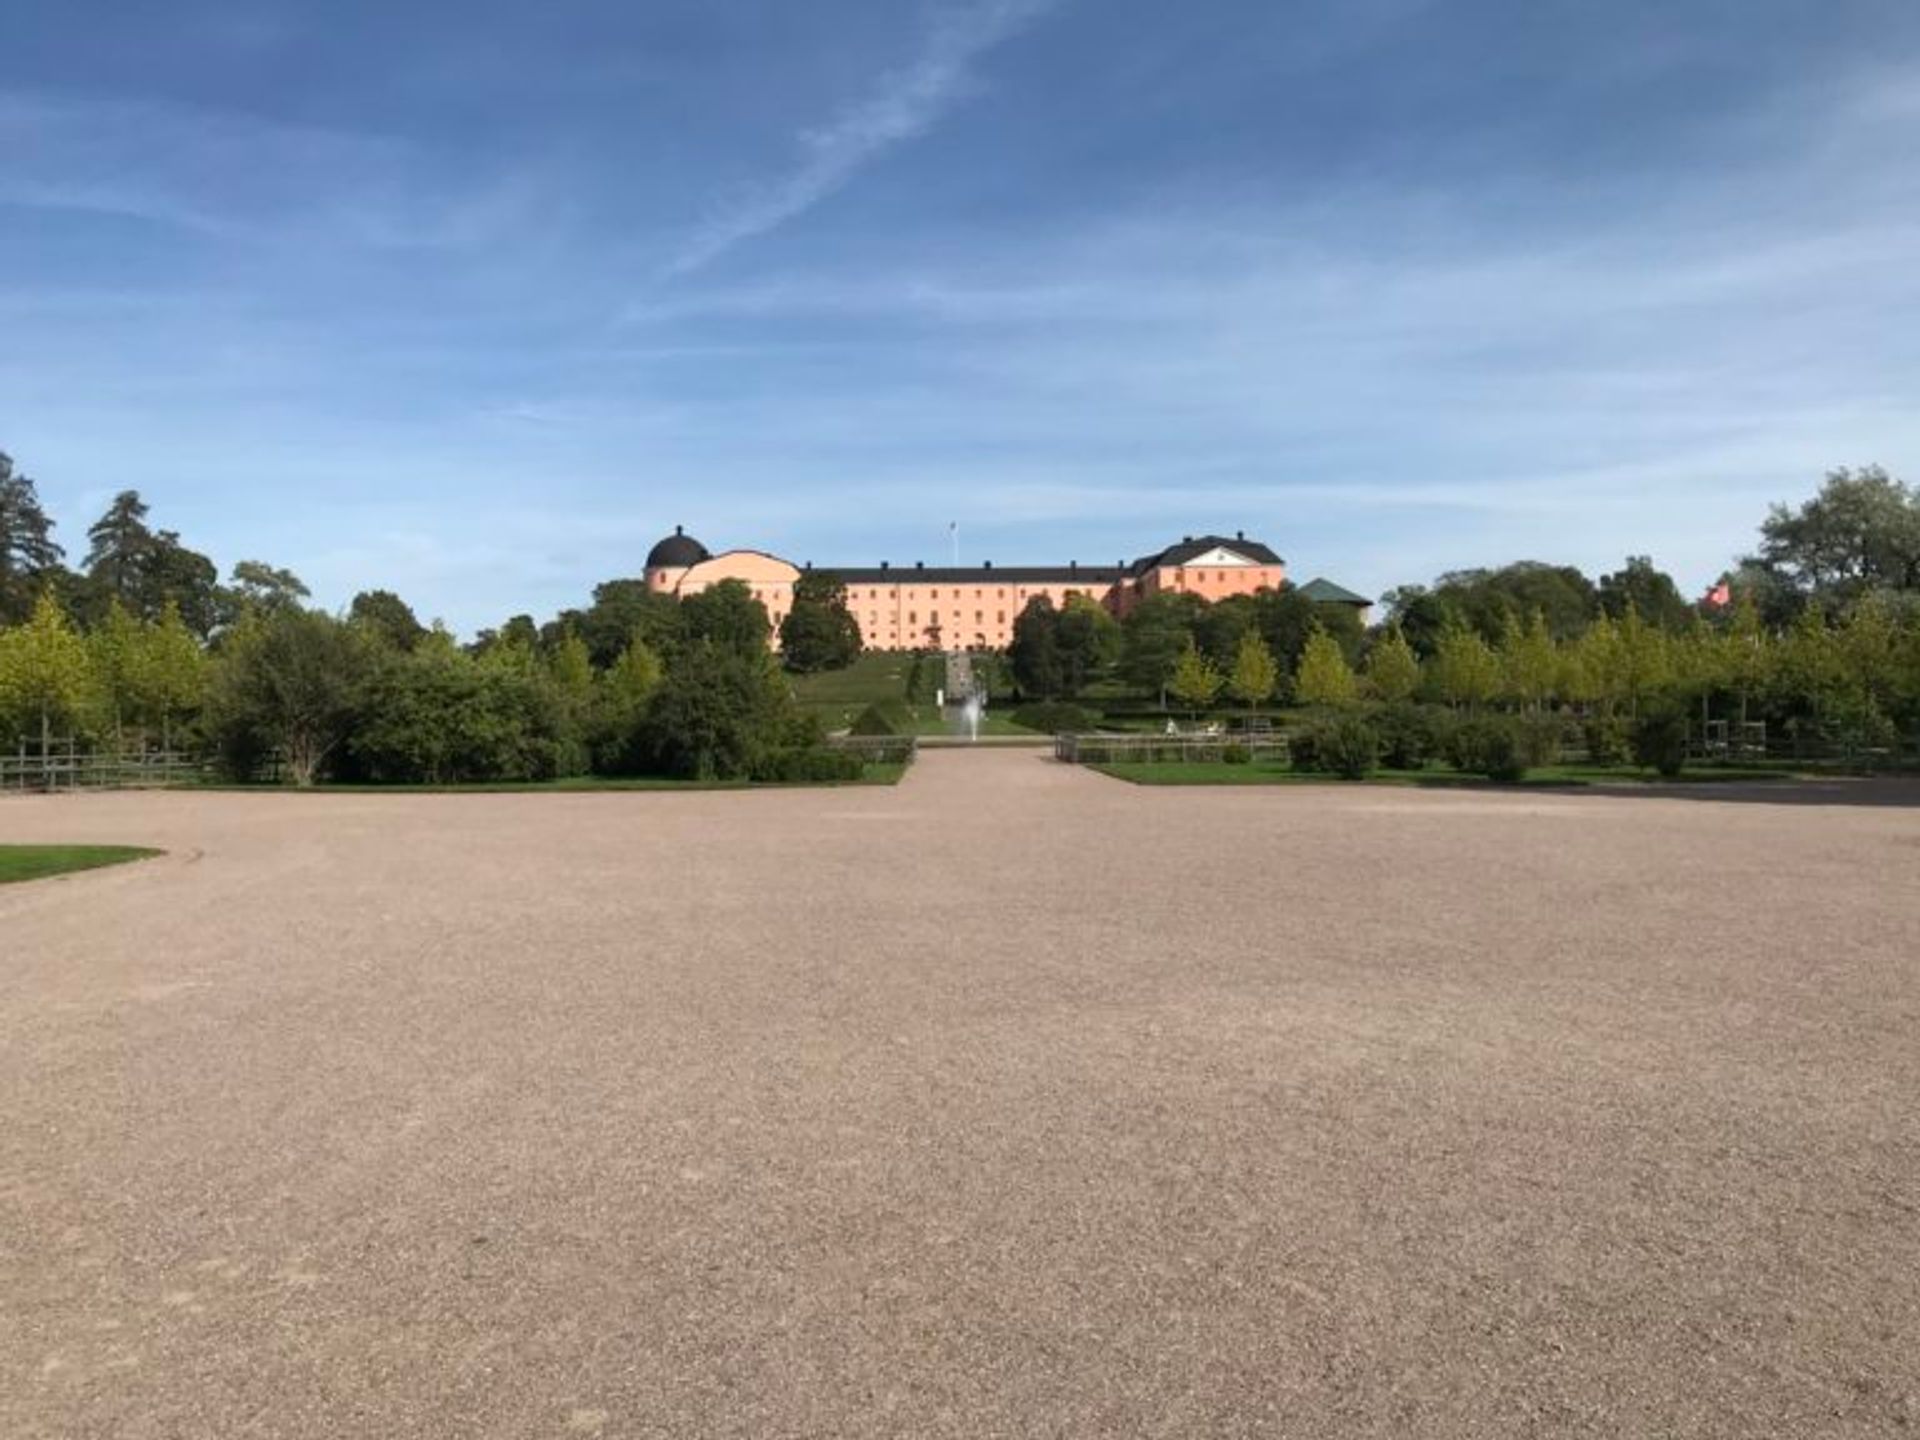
{"x": 1013, "y": 1102}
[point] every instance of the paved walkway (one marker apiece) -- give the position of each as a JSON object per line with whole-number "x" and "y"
{"x": 1014, "y": 1101}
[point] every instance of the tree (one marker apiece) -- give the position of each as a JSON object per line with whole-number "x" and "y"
{"x": 728, "y": 616}
{"x": 1088, "y": 641}
{"x": 289, "y": 683}
{"x": 1196, "y": 682}
{"x": 819, "y": 632}
{"x": 1529, "y": 663}
{"x": 1490, "y": 600}
{"x": 174, "y": 672}
{"x": 259, "y": 585}
{"x": 1860, "y": 533}
{"x": 119, "y": 549}
{"x": 720, "y": 714}
{"x": 118, "y": 655}
{"x": 622, "y": 691}
{"x": 1640, "y": 587}
{"x": 45, "y": 677}
{"x": 1465, "y": 670}
{"x": 388, "y": 618}
{"x": 1393, "y": 670}
{"x": 1255, "y": 674}
{"x": 28, "y": 555}
{"x": 1034, "y": 655}
{"x": 1153, "y": 637}
{"x": 621, "y": 611}
{"x": 1324, "y": 677}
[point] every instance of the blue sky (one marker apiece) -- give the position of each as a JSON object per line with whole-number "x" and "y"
{"x": 474, "y": 301}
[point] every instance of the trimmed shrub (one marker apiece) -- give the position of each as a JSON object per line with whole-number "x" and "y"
{"x": 809, "y": 765}
{"x": 1489, "y": 745}
{"x": 1234, "y": 753}
{"x": 1336, "y": 744}
{"x": 1056, "y": 717}
{"x": 1660, "y": 742}
{"x": 1410, "y": 735}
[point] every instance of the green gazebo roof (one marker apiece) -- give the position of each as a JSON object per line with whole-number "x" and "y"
{"x": 1325, "y": 592}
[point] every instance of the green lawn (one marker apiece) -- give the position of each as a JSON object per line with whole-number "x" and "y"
{"x": 33, "y": 862}
{"x": 877, "y": 677}
{"x": 1220, "y": 773}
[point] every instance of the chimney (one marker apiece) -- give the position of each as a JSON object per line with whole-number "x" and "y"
{"x": 1239, "y": 534}
{"x": 1073, "y": 564}
{"x": 919, "y": 564}
{"x": 986, "y": 564}
{"x": 679, "y": 529}
{"x": 884, "y": 564}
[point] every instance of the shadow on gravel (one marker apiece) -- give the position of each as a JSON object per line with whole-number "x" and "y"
{"x": 1874, "y": 793}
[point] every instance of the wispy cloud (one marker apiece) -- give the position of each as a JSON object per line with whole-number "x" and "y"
{"x": 903, "y": 105}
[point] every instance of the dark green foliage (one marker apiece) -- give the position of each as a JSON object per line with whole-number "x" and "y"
{"x": 1038, "y": 667}
{"x": 819, "y": 632}
{"x": 1860, "y": 533}
{"x": 1336, "y": 743}
{"x": 1057, "y": 717}
{"x": 145, "y": 569}
{"x": 1235, "y": 753}
{"x": 438, "y": 716}
{"x": 1638, "y": 586}
{"x": 1503, "y": 747}
{"x": 809, "y": 765}
{"x": 622, "y": 611}
{"x": 1660, "y": 742}
{"x": 720, "y": 714}
{"x": 1493, "y": 602}
{"x": 1410, "y": 735}
{"x": 388, "y": 618}
{"x": 725, "y": 616}
{"x": 1153, "y": 637}
{"x": 29, "y": 558}
{"x": 288, "y": 688}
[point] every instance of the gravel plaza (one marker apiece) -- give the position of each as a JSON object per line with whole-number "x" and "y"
{"x": 1010, "y": 1101}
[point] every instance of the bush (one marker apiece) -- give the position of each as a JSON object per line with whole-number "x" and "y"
{"x": 1410, "y": 735}
{"x": 1660, "y": 742}
{"x": 1056, "y": 717}
{"x": 1236, "y": 754}
{"x": 1339, "y": 744}
{"x": 1490, "y": 745}
{"x": 809, "y": 765}
{"x": 1606, "y": 739}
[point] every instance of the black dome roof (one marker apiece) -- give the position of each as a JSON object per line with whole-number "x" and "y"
{"x": 677, "y": 552}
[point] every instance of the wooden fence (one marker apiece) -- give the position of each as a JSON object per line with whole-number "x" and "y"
{"x": 64, "y": 765}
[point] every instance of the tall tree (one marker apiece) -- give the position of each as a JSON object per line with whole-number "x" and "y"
{"x": 385, "y": 615}
{"x": 1860, "y": 533}
{"x": 1393, "y": 670}
{"x": 28, "y": 555}
{"x": 263, "y": 586}
{"x": 1196, "y": 680}
{"x": 1153, "y": 637}
{"x": 728, "y": 616}
{"x": 1465, "y": 671}
{"x": 1637, "y": 585}
{"x": 45, "y": 676}
{"x": 819, "y": 632}
{"x": 1324, "y": 677}
{"x": 120, "y": 550}
{"x": 1529, "y": 663}
{"x": 289, "y": 684}
{"x": 1088, "y": 639}
{"x": 1034, "y": 656}
{"x": 1255, "y": 674}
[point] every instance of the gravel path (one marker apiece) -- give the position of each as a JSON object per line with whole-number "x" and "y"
{"x": 1012, "y": 1102}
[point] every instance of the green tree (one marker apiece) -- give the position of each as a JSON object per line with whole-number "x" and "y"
{"x": 1255, "y": 675}
{"x": 819, "y": 632}
{"x": 721, "y": 713}
{"x": 1088, "y": 641}
{"x": 288, "y": 684}
{"x": 174, "y": 672}
{"x": 118, "y": 659}
{"x": 119, "y": 548}
{"x": 1530, "y": 665}
{"x": 257, "y": 585}
{"x": 29, "y": 558}
{"x": 386, "y": 616}
{"x": 1324, "y": 677}
{"x": 727, "y": 615}
{"x": 1393, "y": 670}
{"x": 1465, "y": 670}
{"x": 1638, "y": 586}
{"x": 45, "y": 677}
{"x": 1860, "y": 533}
{"x": 1034, "y": 656}
{"x": 1153, "y": 637}
{"x": 1196, "y": 681}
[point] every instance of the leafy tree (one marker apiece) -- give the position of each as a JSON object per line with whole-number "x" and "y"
{"x": 119, "y": 549}
{"x": 1255, "y": 674}
{"x": 45, "y": 677}
{"x": 1196, "y": 682}
{"x": 385, "y": 615}
{"x": 28, "y": 555}
{"x": 620, "y": 706}
{"x": 819, "y": 632}
{"x": 721, "y": 713}
{"x": 1529, "y": 663}
{"x": 1860, "y": 533}
{"x": 1324, "y": 677}
{"x": 174, "y": 672}
{"x": 259, "y": 585}
{"x": 621, "y": 611}
{"x": 289, "y": 684}
{"x": 728, "y": 616}
{"x": 1154, "y": 636}
{"x": 1034, "y": 655}
{"x": 1639, "y": 587}
{"x": 1465, "y": 670}
{"x": 118, "y": 654}
{"x": 1393, "y": 670}
{"x": 1088, "y": 641}
{"x": 1491, "y": 600}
